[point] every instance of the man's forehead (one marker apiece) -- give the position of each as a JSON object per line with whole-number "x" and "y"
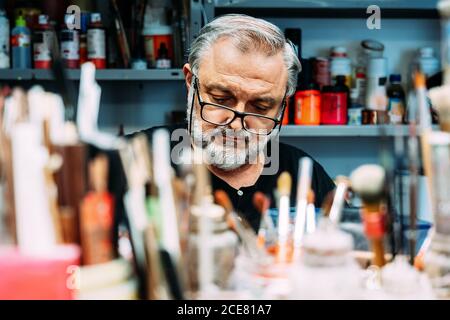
{"x": 225, "y": 63}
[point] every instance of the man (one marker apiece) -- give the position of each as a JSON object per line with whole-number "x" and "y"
{"x": 240, "y": 73}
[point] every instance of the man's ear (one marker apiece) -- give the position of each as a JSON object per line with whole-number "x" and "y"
{"x": 187, "y": 75}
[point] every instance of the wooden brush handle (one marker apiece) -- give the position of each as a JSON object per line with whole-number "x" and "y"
{"x": 378, "y": 250}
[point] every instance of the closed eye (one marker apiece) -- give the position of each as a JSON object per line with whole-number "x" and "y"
{"x": 220, "y": 100}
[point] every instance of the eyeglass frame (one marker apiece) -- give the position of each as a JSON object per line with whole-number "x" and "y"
{"x": 237, "y": 114}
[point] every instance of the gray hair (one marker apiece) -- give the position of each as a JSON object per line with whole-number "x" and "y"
{"x": 247, "y": 33}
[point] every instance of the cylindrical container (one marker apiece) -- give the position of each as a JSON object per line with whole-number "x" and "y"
{"x": 21, "y": 45}
{"x": 427, "y": 61}
{"x": 354, "y": 109}
{"x": 154, "y": 37}
{"x": 42, "y": 44}
{"x": 334, "y": 103}
{"x": 4, "y": 41}
{"x": 321, "y": 72}
{"x": 163, "y": 61}
{"x": 307, "y": 105}
{"x": 376, "y": 84}
{"x": 223, "y": 245}
{"x": 437, "y": 258}
{"x": 396, "y": 96}
{"x": 341, "y": 66}
{"x": 96, "y": 42}
{"x": 70, "y": 44}
{"x": 444, "y": 11}
{"x": 85, "y": 18}
{"x": 285, "y": 119}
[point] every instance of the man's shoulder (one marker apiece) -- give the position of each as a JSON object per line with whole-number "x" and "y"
{"x": 287, "y": 150}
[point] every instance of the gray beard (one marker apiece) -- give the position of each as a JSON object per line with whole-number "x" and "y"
{"x": 222, "y": 153}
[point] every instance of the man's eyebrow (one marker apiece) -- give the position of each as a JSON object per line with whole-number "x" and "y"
{"x": 269, "y": 100}
{"x": 217, "y": 86}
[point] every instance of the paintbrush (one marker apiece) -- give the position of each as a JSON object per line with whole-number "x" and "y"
{"x": 303, "y": 188}
{"x": 284, "y": 185}
{"x": 267, "y": 231}
{"x": 368, "y": 182}
{"x": 333, "y": 204}
{"x": 242, "y": 227}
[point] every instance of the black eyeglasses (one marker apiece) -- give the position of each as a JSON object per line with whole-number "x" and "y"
{"x": 220, "y": 115}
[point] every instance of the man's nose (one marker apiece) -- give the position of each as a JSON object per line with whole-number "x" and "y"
{"x": 237, "y": 122}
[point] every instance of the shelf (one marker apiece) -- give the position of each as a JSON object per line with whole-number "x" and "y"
{"x": 292, "y": 131}
{"x": 328, "y": 8}
{"x": 101, "y": 75}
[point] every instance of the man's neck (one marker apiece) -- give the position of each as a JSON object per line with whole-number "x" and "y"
{"x": 244, "y": 176}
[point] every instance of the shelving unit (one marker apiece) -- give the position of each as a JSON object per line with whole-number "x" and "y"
{"x": 344, "y": 131}
{"x": 104, "y": 75}
{"x": 327, "y": 8}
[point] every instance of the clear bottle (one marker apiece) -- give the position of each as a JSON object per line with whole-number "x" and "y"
{"x": 5, "y": 62}
{"x": 223, "y": 244}
{"x": 21, "y": 45}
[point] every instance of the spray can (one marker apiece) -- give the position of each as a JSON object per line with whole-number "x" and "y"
{"x": 96, "y": 42}
{"x": 4, "y": 41}
{"x": 21, "y": 45}
{"x": 70, "y": 43}
{"x": 42, "y": 44}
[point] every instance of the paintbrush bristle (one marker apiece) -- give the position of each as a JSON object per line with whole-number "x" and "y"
{"x": 223, "y": 200}
{"x": 368, "y": 182}
{"x": 284, "y": 184}
{"x": 261, "y": 202}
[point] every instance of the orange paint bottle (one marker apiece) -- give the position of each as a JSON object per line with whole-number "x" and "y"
{"x": 307, "y": 105}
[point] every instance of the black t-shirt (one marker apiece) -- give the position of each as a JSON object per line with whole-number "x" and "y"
{"x": 242, "y": 199}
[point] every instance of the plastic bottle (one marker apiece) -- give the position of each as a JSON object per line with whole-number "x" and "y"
{"x": 163, "y": 61}
{"x": 21, "y": 45}
{"x": 376, "y": 84}
{"x": 42, "y": 44}
{"x": 4, "y": 41}
{"x": 85, "y": 17}
{"x": 334, "y": 103}
{"x": 307, "y": 97}
{"x": 340, "y": 65}
{"x": 70, "y": 44}
{"x": 396, "y": 100}
{"x": 96, "y": 42}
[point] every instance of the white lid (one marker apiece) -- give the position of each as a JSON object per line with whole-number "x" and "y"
{"x": 69, "y": 19}
{"x": 377, "y": 67}
{"x": 339, "y": 50}
{"x": 426, "y": 52}
{"x": 96, "y": 17}
{"x": 43, "y": 19}
{"x": 341, "y": 66}
{"x": 156, "y": 30}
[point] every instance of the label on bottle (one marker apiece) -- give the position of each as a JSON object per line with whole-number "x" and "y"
{"x": 96, "y": 44}
{"x": 70, "y": 45}
{"x": 396, "y": 110}
{"x": 163, "y": 64}
{"x": 21, "y": 40}
{"x": 354, "y": 116}
{"x": 334, "y": 108}
{"x": 42, "y": 46}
